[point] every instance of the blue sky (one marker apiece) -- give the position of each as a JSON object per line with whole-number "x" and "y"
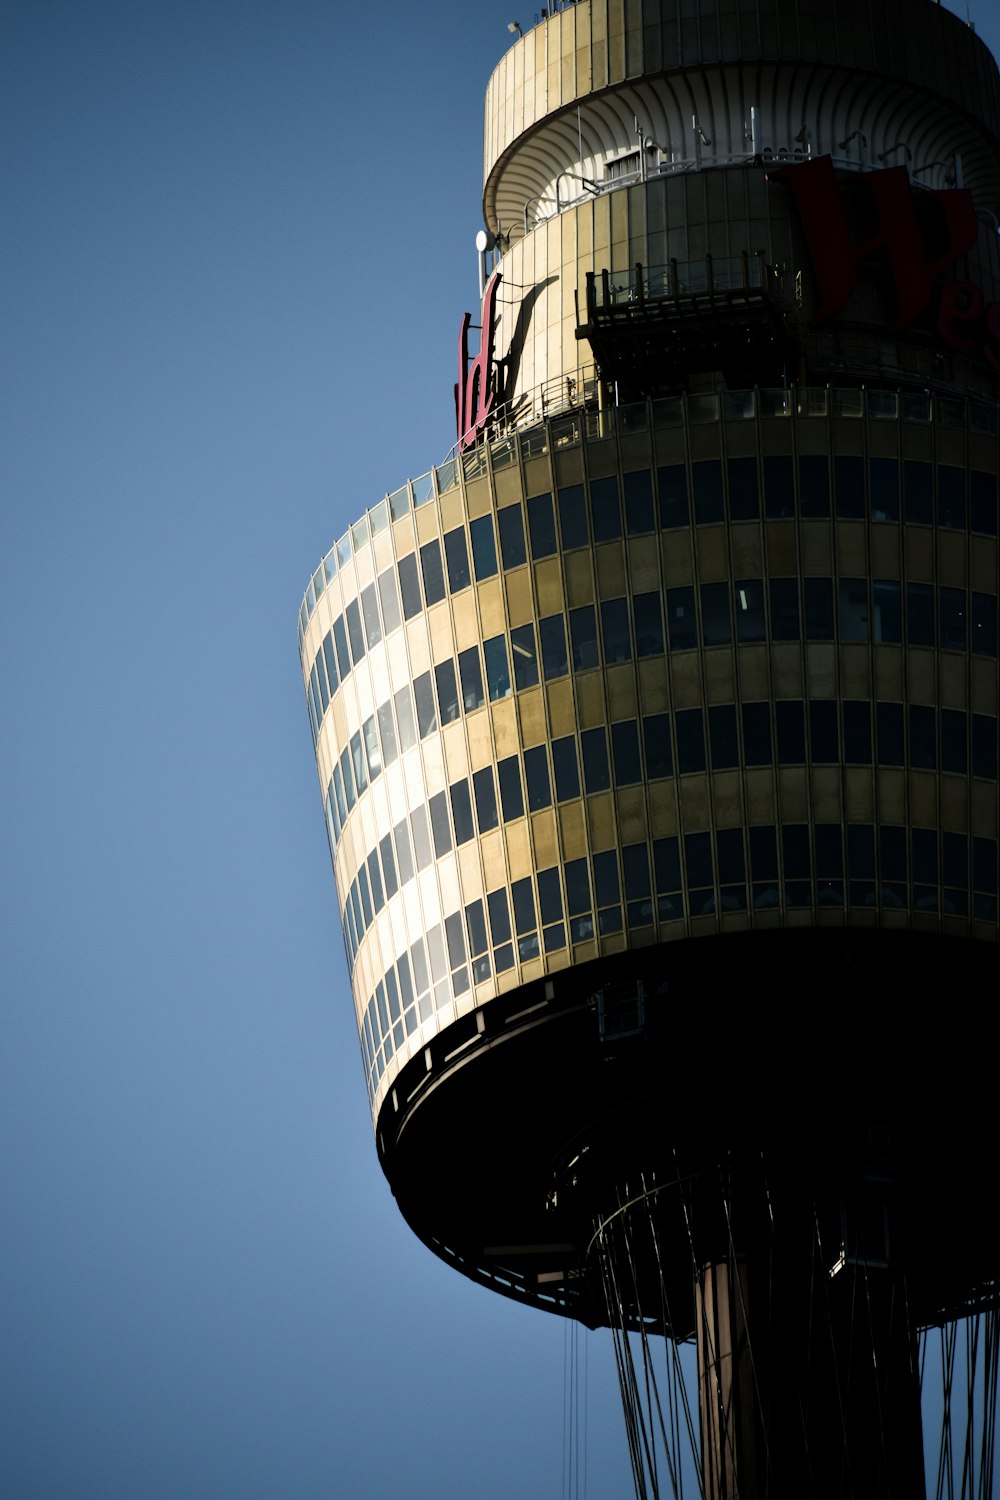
{"x": 236, "y": 251}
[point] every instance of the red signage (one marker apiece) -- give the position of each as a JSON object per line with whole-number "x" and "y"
{"x": 961, "y": 316}
{"x": 476, "y": 391}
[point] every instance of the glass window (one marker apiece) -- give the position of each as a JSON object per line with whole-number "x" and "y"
{"x": 421, "y": 837}
{"x": 672, "y": 483}
{"x": 565, "y": 767}
{"x": 889, "y": 733}
{"x": 524, "y": 656}
{"x": 404, "y": 855}
{"x": 484, "y": 547}
{"x": 552, "y": 635}
{"x": 426, "y": 710}
{"x": 763, "y": 854}
{"x": 573, "y": 517}
{"x": 667, "y": 876}
{"x": 731, "y": 862}
{"x": 388, "y": 866}
{"x": 784, "y": 609}
{"x": 698, "y": 862}
{"x": 706, "y": 483}
{"x": 614, "y": 628}
{"x": 372, "y": 749}
{"x": 409, "y": 586}
{"x": 541, "y": 526}
{"x": 354, "y": 631}
{"x": 681, "y": 621}
{"x": 433, "y": 574}
{"x": 524, "y": 906}
{"x": 461, "y": 812}
{"x": 750, "y": 624}
{"x": 744, "y": 492}
{"x": 635, "y": 869}
{"x": 887, "y": 610}
{"x": 818, "y": 595}
{"x": 471, "y": 674}
{"x": 779, "y": 488}
{"x": 638, "y": 486}
{"x": 347, "y": 776}
{"x": 984, "y": 746}
{"x": 756, "y": 734}
{"x": 715, "y": 621}
{"x": 421, "y": 974}
{"x": 439, "y": 824}
{"x": 656, "y": 744}
{"x": 511, "y": 796}
{"x": 795, "y": 853}
{"x": 923, "y": 855}
{"x": 358, "y": 762}
{"x": 690, "y": 740}
{"x": 366, "y": 900}
{"x": 511, "y": 524}
{"x": 883, "y": 484}
{"x": 578, "y": 900}
{"x": 457, "y": 556}
{"x": 918, "y": 496}
{"x": 475, "y": 926}
{"x": 331, "y": 662}
{"x": 814, "y": 486}
{"x": 447, "y": 691}
{"x": 983, "y": 517}
{"x": 375, "y": 881}
{"x": 951, "y": 497}
{"x": 919, "y": 614}
{"x": 923, "y": 746}
{"x": 648, "y": 624}
{"x": 722, "y": 736}
{"x": 499, "y": 912}
{"x": 369, "y": 608}
{"x": 824, "y": 739}
{"x": 455, "y": 940}
{"x": 791, "y": 734}
{"x": 550, "y": 909}
{"x": 340, "y": 641}
{"x": 849, "y": 487}
{"x": 497, "y": 668}
{"x": 486, "y": 799}
{"x": 607, "y": 892}
{"x": 625, "y": 751}
{"x": 405, "y": 719}
{"x": 857, "y": 732}
{"x": 853, "y": 596}
{"x": 583, "y": 638}
{"x": 954, "y": 750}
{"x": 596, "y": 773}
{"x": 389, "y": 596}
{"x": 536, "y": 774}
{"x": 984, "y": 624}
{"x": 605, "y": 511}
{"x": 951, "y": 620}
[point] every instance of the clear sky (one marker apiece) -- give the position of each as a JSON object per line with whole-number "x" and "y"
{"x": 237, "y": 240}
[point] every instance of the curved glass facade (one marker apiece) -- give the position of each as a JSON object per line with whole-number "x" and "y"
{"x": 688, "y": 668}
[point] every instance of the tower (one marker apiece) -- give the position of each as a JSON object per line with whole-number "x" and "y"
{"x": 657, "y": 728}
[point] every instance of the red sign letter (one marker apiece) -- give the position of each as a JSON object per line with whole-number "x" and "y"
{"x": 475, "y": 393}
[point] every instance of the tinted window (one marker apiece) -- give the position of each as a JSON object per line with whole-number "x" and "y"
{"x": 484, "y": 547}
{"x": 404, "y": 718}
{"x": 541, "y": 526}
{"x": 648, "y": 624}
{"x": 486, "y": 799}
{"x": 573, "y": 517}
{"x": 497, "y": 668}
{"x": 951, "y": 497}
{"x": 472, "y": 679}
{"x": 447, "y": 691}
{"x": 883, "y": 484}
{"x": 889, "y": 733}
{"x": 439, "y": 824}
{"x": 524, "y": 656}
{"x": 887, "y": 610}
{"x": 583, "y": 637}
{"x": 426, "y": 711}
{"x": 596, "y": 774}
{"x": 951, "y": 619}
{"x": 457, "y": 556}
{"x": 430, "y": 567}
{"x": 779, "y": 487}
{"x": 853, "y": 601}
{"x": 715, "y": 622}
{"x": 923, "y": 748}
{"x": 625, "y": 749}
{"x": 536, "y": 774}
{"x": 984, "y": 624}
{"x": 791, "y": 734}
{"x": 784, "y": 609}
{"x": 818, "y": 596}
{"x": 552, "y": 634}
{"x": 744, "y": 497}
{"x": 565, "y": 767}
{"x": 750, "y": 625}
{"x": 722, "y": 736}
{"x": 954, "y": 752}
{"x": 983, "y": 517}
{"x": 919, "y": 614}
{"x": 849, "y": 487}
{"x": 706, "y": 482}
{"x": 354, "y": 631}
{"x": 918, "y": 499}
{"x": 389, "y": 596}
{"x": 409, "y": 586}
{"x": 857, "y": 732}
{"x": 814, "y": 485}
{"x": 511, "y": 524}
{"x": 681, "y": 622}
{"x": 638, "y": 501}
{"x": 656, "y": 744}
{"x": 511, "y": 796}
{"x": 757, "y": 734}
{"x": 369, "y": 608}
{"x": 605, "y": 510}
{"x": 690, "y": 740}
{"x": 672, "y": 482}
{"x": 614, "y": 628}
